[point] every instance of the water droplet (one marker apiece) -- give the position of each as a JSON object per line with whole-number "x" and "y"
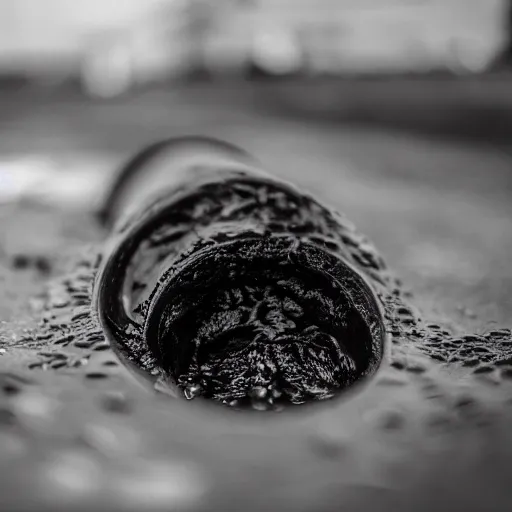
{"x": 416, "y": 368}
{"x": 96, "y": 375}
{"x": 81, "y": 343}
{"x": 58, "y": 364}
{"x": 103, "y": 345}
{"x": 60, "y": 302}
{"x": 398, "y": 364}
{"x": 483, "y": 369}
{"x": 64, "y": 340}
{"x": 80, "y": 313}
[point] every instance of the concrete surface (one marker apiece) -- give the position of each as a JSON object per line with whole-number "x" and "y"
{"x": 440, "y": 213}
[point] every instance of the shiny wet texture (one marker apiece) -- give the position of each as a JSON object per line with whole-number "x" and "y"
{"x": 281, "y": 332}
{"x": 191, "y": 290}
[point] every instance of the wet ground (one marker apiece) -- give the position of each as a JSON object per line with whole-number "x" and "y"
{"x": 437, "y": 208}
{"x": 439, "y": 211}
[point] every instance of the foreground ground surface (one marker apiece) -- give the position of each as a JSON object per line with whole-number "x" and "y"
{"x": 438, "y": 210}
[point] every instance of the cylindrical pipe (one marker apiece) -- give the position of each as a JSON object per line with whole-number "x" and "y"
{"x": 234, "y": 285}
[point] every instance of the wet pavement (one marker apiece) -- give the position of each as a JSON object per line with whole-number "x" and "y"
{"x": 448, "y": 202}
{"x": 78, "y": 432}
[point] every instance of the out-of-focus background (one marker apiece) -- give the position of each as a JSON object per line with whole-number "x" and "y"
{"x": 399, "y": 112}
{"x": 114, "y": 46}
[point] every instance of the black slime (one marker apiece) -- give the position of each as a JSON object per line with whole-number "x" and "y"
{"x": 236, "y": 288}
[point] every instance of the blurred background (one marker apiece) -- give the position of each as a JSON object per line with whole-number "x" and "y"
{"x": 398, "y": 112}
{"x": 113, "y": 47}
